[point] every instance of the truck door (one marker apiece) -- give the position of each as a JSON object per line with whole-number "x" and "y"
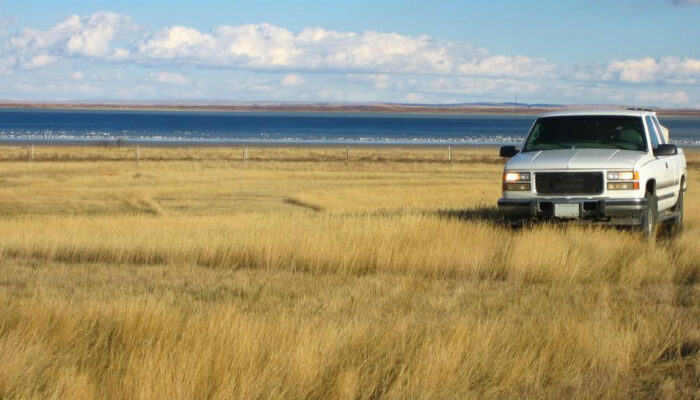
{"x": 665, "y": 167}
{"x": 678, "y": 164}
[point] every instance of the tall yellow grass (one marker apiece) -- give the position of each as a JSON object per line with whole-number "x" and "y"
{"x": 193, "y": 275}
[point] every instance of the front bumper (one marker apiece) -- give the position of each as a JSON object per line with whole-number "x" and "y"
{"x": 615, "y": 211}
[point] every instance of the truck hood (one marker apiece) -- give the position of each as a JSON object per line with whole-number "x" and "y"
{"x": 576, "y": 159}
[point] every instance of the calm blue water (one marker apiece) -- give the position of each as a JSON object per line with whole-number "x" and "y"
{"x": 275, "y": 127}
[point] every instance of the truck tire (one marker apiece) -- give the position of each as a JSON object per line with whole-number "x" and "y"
{"x": 650, "y": 217}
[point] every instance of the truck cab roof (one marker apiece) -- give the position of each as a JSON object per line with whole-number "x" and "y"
{"x": 599, "y": 111}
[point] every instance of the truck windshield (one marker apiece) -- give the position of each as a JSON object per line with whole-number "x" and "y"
{"x": 587, "y": 132}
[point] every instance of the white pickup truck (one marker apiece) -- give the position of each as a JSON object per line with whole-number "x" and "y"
{"x": 608, "y": 166}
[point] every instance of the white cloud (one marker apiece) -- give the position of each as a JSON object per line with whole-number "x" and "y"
{"x": 414, "y": 98}
{"x": 259, "y": 45}
{"x": 92, "y": 35}
{"x": 39, "y": 60}
{"x": 58, "y": 89}
{"x": 292, "y": 80}
{"x": 266, "y": 46}
{"x": 375, "y": 65}
{"x": 636, "y": 71}
{"x": 121, "y": 54}
{"x": 7, "y": 65}
{"x": 252, "y": 86}
{"x": 588, "y": 93}
{"x": 482, "y": 86}
{"x": 378, "y": 81}
{"x": 673, "y": 70}
{"x": 170, "y": 78}
{"x": 177, "y": 43}
{"x": 89, "y": 36}
{"x": 648, "y": 97}
{"x": 506, "y": 66}
{"x": 136, "y": 92}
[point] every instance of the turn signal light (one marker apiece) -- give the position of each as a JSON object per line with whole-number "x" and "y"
{"x": 623, "y": 185}
{"x": 517, "y": 187}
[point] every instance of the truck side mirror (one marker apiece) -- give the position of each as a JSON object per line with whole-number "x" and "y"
{"x": 666, "y": 150}
{"x": 508, "y": 151}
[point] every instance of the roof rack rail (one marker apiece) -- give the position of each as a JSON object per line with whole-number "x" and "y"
{"x": 639, "y": 109}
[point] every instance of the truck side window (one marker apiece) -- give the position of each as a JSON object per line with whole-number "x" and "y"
{"x": 658, "y": 129}
{"x": 652, "y": 133}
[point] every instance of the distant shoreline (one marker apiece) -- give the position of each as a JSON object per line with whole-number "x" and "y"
{"x": 321, "y": 108}
{"x": 129, "y": 143}
{"x": 159, "y": 143}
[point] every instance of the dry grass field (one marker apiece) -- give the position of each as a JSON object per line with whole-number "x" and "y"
{"x": 295, "y": 276}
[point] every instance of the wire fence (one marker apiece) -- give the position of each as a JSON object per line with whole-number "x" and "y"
{"x": 251, "y": 154}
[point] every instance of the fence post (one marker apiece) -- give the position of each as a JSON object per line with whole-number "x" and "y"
{"x": 347, "y": 155}
{"x": 449, "y": 154}
{"x": 138, "y": 153}
{"x": 245, "y": 154}
{"x": 31, "y": 154}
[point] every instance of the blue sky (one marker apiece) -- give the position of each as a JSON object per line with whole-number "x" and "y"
{"x": 643, "y": 52}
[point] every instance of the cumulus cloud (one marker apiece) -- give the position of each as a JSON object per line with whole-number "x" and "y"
{"x": 252, "y": 85}
{"x": 414, "y": 97}
{"x": 648, "y": 97}
{"x": 177, "y": 43}
{"x": 268, "y": 47}
{"x": 89, "y": 35}
{"x": 506, "y": 66}
{"x": 39, "y": 60}
{"x": 265, "y": 46}
{"x": 673, "y": 70}
{"x": 170, "y": 78}
{"x": 121, "y": 54}
{"x": 85, "y": 36}
{"x": 636, "y": 71}
{"x": 378, "y": 81}
{"x": 374, "y": 65}
{"x": 292, "y": 80}
{"x": 7, "y": 65}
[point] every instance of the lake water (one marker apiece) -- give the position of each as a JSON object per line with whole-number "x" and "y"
{"x": 18, "y": 125}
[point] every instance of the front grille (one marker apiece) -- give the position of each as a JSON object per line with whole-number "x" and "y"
{"x": 569, "y": 183}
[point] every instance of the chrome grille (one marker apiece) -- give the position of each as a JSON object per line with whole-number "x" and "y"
{"x": 569, "y": 183}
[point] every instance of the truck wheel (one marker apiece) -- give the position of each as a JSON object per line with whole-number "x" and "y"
{"x": 517, "y": 223}
{"x": 650, "y": 217}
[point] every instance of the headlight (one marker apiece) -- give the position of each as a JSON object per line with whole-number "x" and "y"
{"x": 623, "y": 175}
{"x": 516, "y": 176}
{"x": 516, "y": 181}
{"x": 630, "y": 180}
